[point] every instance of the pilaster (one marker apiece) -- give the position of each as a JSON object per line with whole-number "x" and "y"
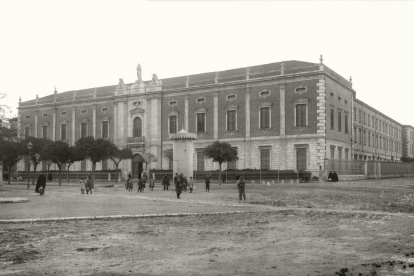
{"x": 159, "y": 141}
{"x": 94, "y": 122}
{"x": 321, "y": 122}
{"x": 54, "y": 125}
{"x": 247, "y": 144}
{"x": 120, "y": 130}
{"x": 148, "y": 124}
{"x": 283, "y": 142}
{"x": 35, "y": 127}
{"x": 116, "y": 124}
{"x": 215, "y": 137}
{"x": 125, "y": 120}
{"x": 73, "y": 125}
{"x": 186, "y": 112}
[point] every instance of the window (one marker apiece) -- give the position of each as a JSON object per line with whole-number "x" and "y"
{"x": 365, "y": 137}
{"x": 369, "y": 120}
{"x": 380, "y": 142}
{"x": 104, "y": 164}
{"x": 201, "y": 122}
{"x": 359, "y": 113}
{"x": 200, "y": 160}
{"x": 105, "y": 129}
{"x": 231, "y": 120}
{"x": 364, "y": 118}
{"x": 360, "y": 135}
{"x": 26, "y": 132}
{"x": 339, "y": 120}
{"x": 346, "y": 122}
{"x": 84, "y": 130}
{"x": 376, "y": 141}
{"x": 83, "y": 165}
{"x": 63, "y": 132}
{"x": 265, "y": 158}
{"x": 332, "y": 118}
{"x": 301, "y": 158}
{"x": 355, "y": 118}
{"x": 265, "y": 117}
{"x": 137, "y": 130}
{"x": 232, "y": 165}
{"x": 376, "y": 123}
{"x": 355, "y": 134}
{"x": 369, "y": 139}
{"x": 173, "y": 123}
{"x": 301, "y": 115}
{"x": 44, "y": 132}
{"x": 372, "y": 121}
{"x": 339, "y": 157}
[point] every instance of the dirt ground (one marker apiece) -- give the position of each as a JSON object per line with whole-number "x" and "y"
{"x": 349, "y": 228}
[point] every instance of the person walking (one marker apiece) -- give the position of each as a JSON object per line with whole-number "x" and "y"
{"x": 191, "y": 184}
{"x": 207, "y": 180}
{"x": 241, "y": 186}
{"x": 41, "y": 184}
{"x": 141, "y": 185}
{"x": 165, "y": 182}
{"x": 49, "y": 177}
{"x": 129, "y": 184}
{"x": 82, "y": 185}
{"x": 88, "y": 184}
{"x": 176, "y": 178}
{"x": 178, "y": 188}
{"x": 151, "y": 183}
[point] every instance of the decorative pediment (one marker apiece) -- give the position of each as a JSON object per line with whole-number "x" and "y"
{"x": 173, "y": 113}
{"x": 301, "y": 101}
{"x": 106, "y": 118}
{"x": 64, "y": 122}
{"x": 137, "y": 110}
{"x": 84, "y": 120}
{"x": 232, "y": 107}
{"x": 201, "y": 110}
{"x": 46, "y": 124}
{"x": 265, "y": 104}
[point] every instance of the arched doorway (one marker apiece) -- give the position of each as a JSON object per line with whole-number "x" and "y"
{"x": 137, "y": 166}
{"x": 137, "y": 131}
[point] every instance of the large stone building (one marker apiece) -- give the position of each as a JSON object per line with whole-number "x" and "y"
{"x": 284, "y": 115}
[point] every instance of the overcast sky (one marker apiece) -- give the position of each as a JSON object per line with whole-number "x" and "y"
{"x": 83, "y": 44}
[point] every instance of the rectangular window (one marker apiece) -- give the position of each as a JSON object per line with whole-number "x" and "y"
{"x": 376, "y": 123}
{"x": 359, "y": 113}
{"x": 369, "y": 120}
{"x": 232, "y": 165}
{"x": 301, "y": 115}
{"x": 355, "y": 114}
{"x": 355, "y": 135}
{"x": 231, "y": 120}
{"x": 173, "y": 124}
{"x": 369, "y": 139}
{"x": 201, "y": 122}
{"x": 332, "y": 118}
{"x": 26, "y": 132}
{"x": 380, "y": 142}
{"x": 364, "y": 119}
{"x": 265, "y": 158}
{"x": 376, "y": 141}
{"x": 63, "y": 132}
{"x": 265, "y": 117}
{"x": 84, "y": 128}
{"x": 301, "y": 159}
{"x": 365, "y": 137}
{"x": 360, "y": 135}
{"x": 83, "y": 165}
{"x": 372, "y": 121}
{"x": 45, "y": 132}
{"x": 339, "y": 120}
{"x": 332, "y": 153}
{"x": 104, "y": 164}
{"x": 105, "y": 129}
{"x": 200, "y": 161}
{"x": 346, "y": 122}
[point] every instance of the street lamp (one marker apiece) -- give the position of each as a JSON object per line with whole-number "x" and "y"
{"x": 29, "y": 147}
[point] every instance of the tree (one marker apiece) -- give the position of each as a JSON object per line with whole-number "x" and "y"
{"x": 407, "y": 159}
{"x": 36, "y": 153}
{"x": 117, "y": 155}
{"x": 148, "y": 158}
{"x": 94, "y": 150}
{"x": 11, "y": 152}
{"x": 74, "y": 156}
{"x": 221, "y": 153}
{"x": 168, "y": 153}
{"x": 59, "y": 153}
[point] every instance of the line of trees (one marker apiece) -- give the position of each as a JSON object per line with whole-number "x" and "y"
{"x": 60, "y": 153}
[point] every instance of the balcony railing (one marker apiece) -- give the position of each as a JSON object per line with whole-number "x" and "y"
{"x": 136, "y": 140}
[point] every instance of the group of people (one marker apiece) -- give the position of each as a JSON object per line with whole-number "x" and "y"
{"x": 333, "y": 177}
{"x": 129, "y": 185}
{"x": 182, "y": 184}
{"x": 86, "y": 184}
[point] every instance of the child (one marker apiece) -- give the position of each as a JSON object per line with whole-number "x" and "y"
{"x": 82, "y": 185}
{"x": 129, "y": 184}
{"x": 151, "y": 183}
{"x": 191, "y": 184}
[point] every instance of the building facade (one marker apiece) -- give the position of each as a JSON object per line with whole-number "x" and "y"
{"x": 284, "y": 115}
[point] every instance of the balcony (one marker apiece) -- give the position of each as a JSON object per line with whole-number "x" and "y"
{"x": 135, "y": 141}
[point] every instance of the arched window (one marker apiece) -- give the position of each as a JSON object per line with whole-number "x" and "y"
{"x": 137, "y": 127}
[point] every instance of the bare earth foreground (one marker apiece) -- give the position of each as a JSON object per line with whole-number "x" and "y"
{"x": 346, "y": 228}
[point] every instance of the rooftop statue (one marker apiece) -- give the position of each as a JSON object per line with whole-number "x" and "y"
{"x": 139, "y": 72}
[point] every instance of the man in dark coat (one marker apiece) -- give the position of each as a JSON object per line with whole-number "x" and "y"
{"x": 242, "y": 191}
{"x": 49, "y": 177}
{"x": 330, "y": 177}
{"x": 178, "y": 187}
{"x": 207, "y": 178}
{"x": 41, "y": 183}
{"x": 165, "y": 182}
{"x": 335, "y": 177}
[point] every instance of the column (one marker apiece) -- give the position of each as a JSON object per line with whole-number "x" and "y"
{"x": 186, "y": 113}
{"x": 120, "y": 130}
{"x": 159, "y": 140}
{"x": 247, "y": 143}
{"x": 54, "y": 125}
{"x": 282, "y": 147}
{"x": 35, "y": 126}
{"x": 125, "y": 118}
{"x": 94, "y": 122}
{"x": 148, "y": 124}
{"x": 116, "y": 124}
{"x": 216, "y": 115}
{"x": 73, "y": 126}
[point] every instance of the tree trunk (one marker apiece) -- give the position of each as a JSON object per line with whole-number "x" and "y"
{"x": 60, "y": 170}
{"x": 34, "y": 172}
{"x": 9, "y": 172}
{"x": 67, "y": 175}
{"x": 219, "y": 173}
{"x": 116, "y": 180}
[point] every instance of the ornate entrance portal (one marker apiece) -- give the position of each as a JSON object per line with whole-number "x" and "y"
{"x": 137, "y": 166}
